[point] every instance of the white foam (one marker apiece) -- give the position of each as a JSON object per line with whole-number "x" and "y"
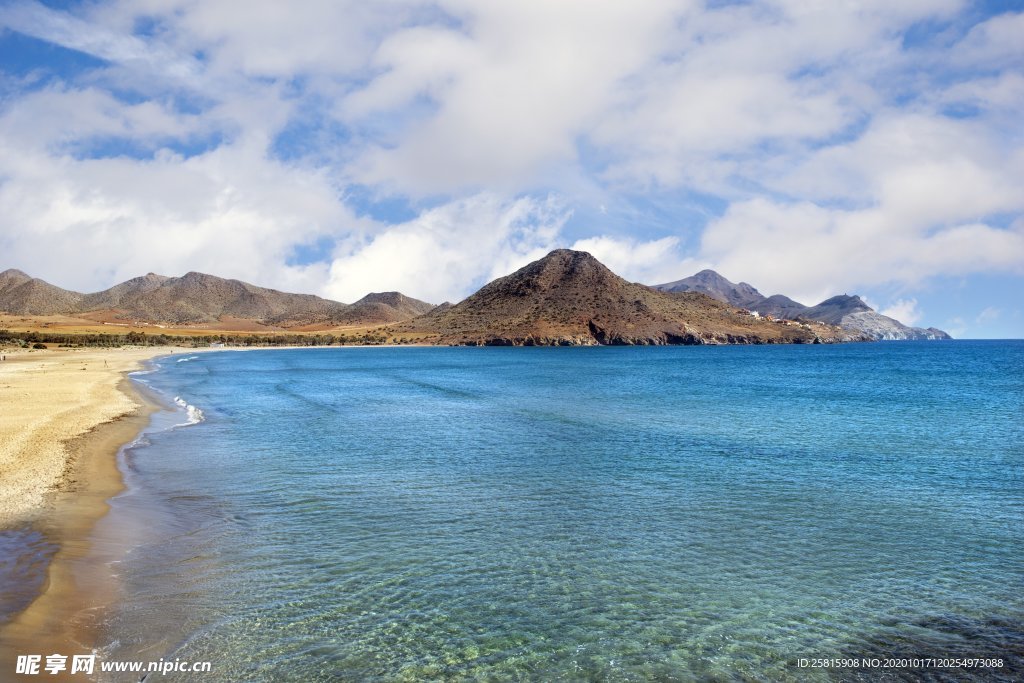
{"x": 195, "y": 415}
{"x": 182, "y": 360}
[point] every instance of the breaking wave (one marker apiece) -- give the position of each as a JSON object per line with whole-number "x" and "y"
{"x": 195, "y": 415}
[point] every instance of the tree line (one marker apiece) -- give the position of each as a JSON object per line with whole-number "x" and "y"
{"x": 70, "y": 339}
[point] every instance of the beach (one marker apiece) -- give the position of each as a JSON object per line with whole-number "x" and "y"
{"x": 51, "y": 398}
{"x": 66, "y": 413}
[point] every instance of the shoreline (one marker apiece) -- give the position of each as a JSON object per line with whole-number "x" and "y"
{"x": 78, "y": 409}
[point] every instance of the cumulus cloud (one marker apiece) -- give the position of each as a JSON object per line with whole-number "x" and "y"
{"x": 995, "y": 42}
{"x": 809, "y": 251}
{"x": 830, "y": 146}
{"x": 67, "y": 30}
{"x": 448, "y": 251}
{"x": 904, "y": 310}
{"x": 87, "y": 222}
{"x": 650, "y": 262}
{"x": 511, "y": 86}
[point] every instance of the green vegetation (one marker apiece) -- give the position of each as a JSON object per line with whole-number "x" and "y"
{"x": 63, "y": 339}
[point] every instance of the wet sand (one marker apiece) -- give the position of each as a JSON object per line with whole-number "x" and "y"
{"x": 66, "y": 414}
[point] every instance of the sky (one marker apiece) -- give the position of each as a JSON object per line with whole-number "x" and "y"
{"x": 338, "y": 147}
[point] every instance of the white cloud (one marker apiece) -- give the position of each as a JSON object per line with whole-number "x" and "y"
{"x": 35, "y": 19}
{"x": 904, "y": 310}
{"x": 994, "y": 42}
{"x": 989, "y": 314}
{"x": 831, "y": 154}
{"x": 511, "y": 88}
{"x": 267, "y": 39}
{"x": 785, "y": 75}
{"x": 447, "y": 252}
{"x": 87, "y": 223}
{"x": 956, "y": 327}
{"x": 909, "y": 199}
{"x": 809, "y": 252}
{"x": 649, "y": 262}
{"x": 59, "y": 119}
{"x": 923, "y": 168}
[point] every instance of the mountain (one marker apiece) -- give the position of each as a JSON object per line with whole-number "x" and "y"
{"x": 835, "y": 309}
{"x": 12, "y": 278}
{"x": 122, "y": 295}
{"x": 743, "y": 295}
{"x": 848, "y": 312}
{"x": 26, "y": 295}
{"x": 569, "y": 297}
{"x": 779, "y": 306}
{"x": 380, "y": 308}
{"x": 717, "y": 287}
{"x": 197, "y": 298}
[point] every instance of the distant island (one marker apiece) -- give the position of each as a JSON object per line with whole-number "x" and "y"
{"x": 566, "y": 298}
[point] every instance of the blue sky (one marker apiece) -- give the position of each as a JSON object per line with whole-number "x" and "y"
{"x": 807, "y": 148}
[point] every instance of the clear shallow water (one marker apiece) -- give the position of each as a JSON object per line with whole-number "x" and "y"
{"x": 24, "y": 555}
{"x": 580, "y": 513}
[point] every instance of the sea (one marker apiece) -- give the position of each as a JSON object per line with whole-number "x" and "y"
{"x": 718, "y": 513}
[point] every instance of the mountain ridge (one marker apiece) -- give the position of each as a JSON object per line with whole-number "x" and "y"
{"x": 570, "y": 298}
{"x": 385, "y": 307}
{"x": 843, "y": 310}
{"x": 33, "y": 296}
{"x": 198, "y": 298}
{"x": 566, "y": 297}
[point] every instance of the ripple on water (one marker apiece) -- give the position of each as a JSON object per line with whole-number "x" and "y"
{"x": 584, "y": 514}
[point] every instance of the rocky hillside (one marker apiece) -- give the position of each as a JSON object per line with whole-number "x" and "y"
{"x": 835, "y": 309}
{"x": 122, "y": 296}
{"x": 12, "y": 278}
{"x": 717, "y": 287}
{"x": 25, "y": 295}
{"x": 197, "y": 298}
{"x": 569, "y": 297}
{"x": 201, "y": 298}
{"x": 381, "y": 308}
{"x": 848, "y": 312}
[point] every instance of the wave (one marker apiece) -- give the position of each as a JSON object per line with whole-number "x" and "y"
{"x": 137, "y": 375}
{"x": 182, "y": 360}
{"x": 195, "y": 415}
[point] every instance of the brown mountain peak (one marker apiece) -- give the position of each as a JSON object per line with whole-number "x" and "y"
{"x": 569, "y": 297}
{"x": 15, "y": 274}
{"x": 378, "y": 308}
{"x": 567, "y": 264}
{"x": 388, "y": 298}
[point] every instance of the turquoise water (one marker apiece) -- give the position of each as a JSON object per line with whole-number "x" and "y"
{"x": 610, "y": 514}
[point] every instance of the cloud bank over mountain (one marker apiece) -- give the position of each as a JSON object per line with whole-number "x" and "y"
{"x": 346, "y": 147}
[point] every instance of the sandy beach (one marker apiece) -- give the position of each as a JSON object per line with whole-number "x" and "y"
{"x": 50, "y": 398}
{"x": 65, "y": 415}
